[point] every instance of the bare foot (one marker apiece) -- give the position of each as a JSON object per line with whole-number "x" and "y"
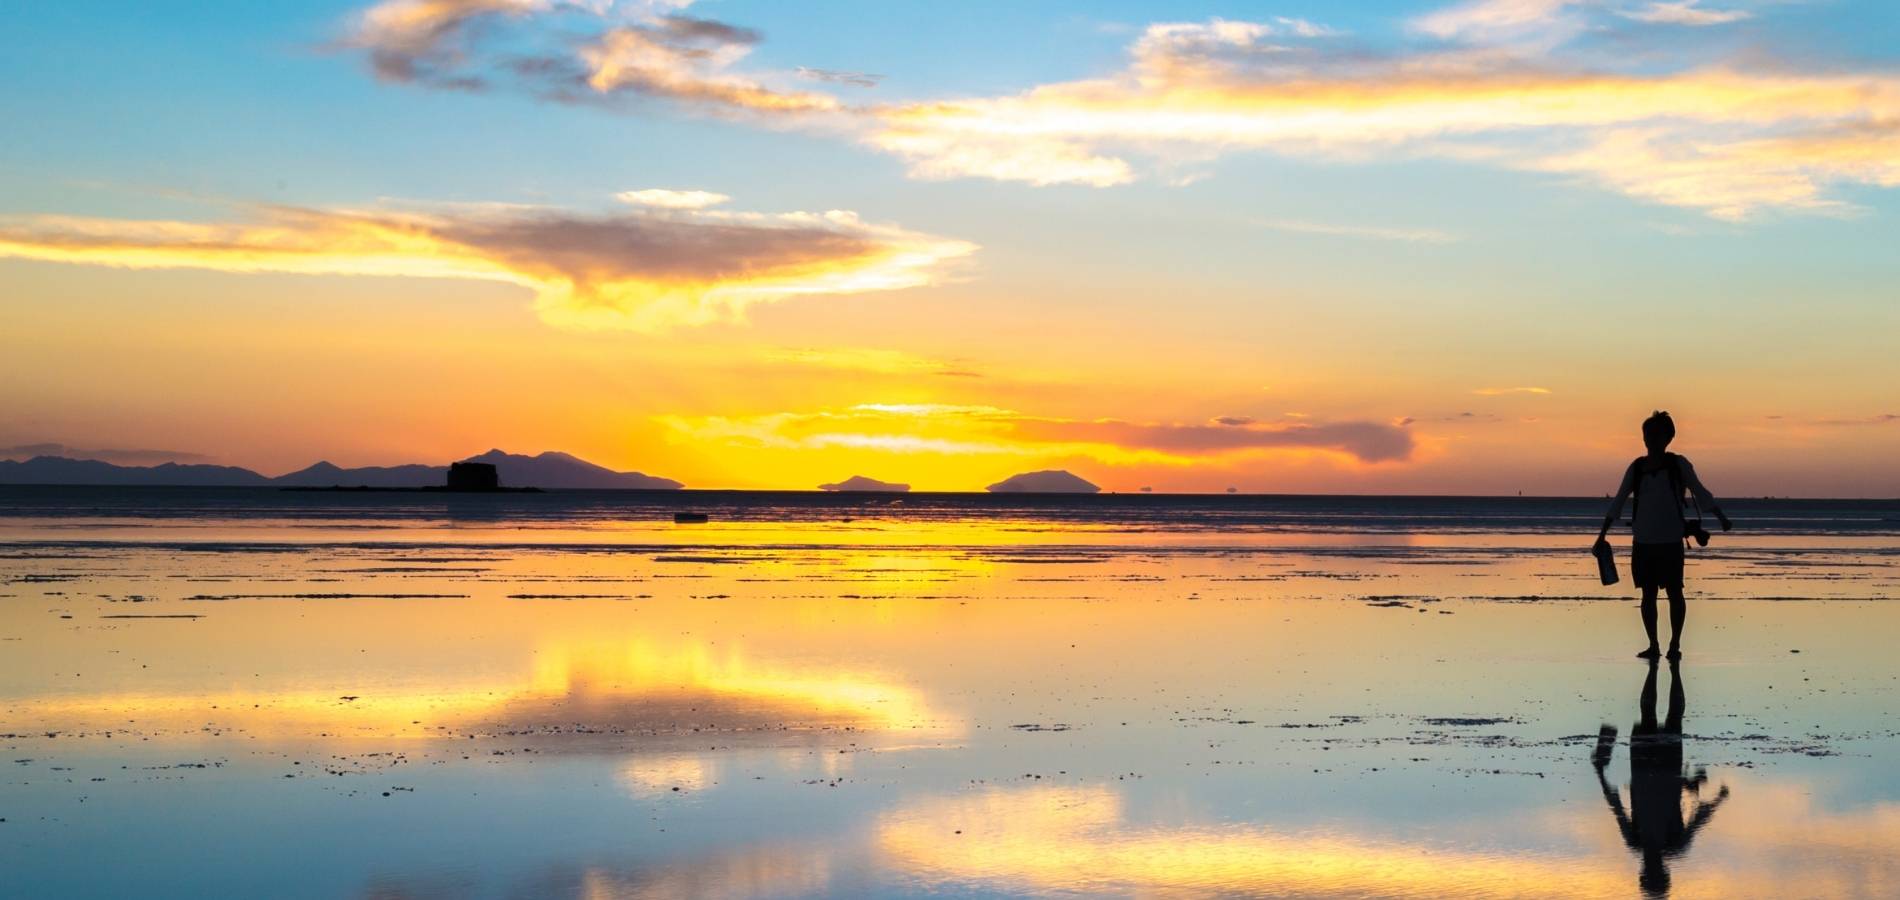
{"x": 1652, "y": 653}
{"x": 1674, "y": 653}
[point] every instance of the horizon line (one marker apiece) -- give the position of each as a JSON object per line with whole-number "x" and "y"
{"x": 962, "y": 493}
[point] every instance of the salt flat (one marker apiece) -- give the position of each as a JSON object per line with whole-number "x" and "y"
{"x": 984, "y": 708}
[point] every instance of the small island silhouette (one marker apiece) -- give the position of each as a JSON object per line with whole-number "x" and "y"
{"x": 861, "y": 483}
{"x": 1048, "y": 481}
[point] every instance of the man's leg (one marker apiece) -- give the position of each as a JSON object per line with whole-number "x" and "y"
{"x": 1678, "y": 611}
{"x": 1649, "y": 623}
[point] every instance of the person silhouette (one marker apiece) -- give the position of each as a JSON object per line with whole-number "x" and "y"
{"x": 1656, "y": 481}
{"x": 1653, "y": 825}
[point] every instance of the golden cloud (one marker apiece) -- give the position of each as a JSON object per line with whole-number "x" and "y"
{"x": 689, "y": 60}
{"x": 643, "y": 270}
{"x": 1366, "y": 442}
{"x": 955, "y": 429}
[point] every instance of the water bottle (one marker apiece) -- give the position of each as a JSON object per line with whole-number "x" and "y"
{"x": 1606, "y": 562}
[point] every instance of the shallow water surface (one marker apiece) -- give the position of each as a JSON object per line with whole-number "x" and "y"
{"x": 217, "y": 697}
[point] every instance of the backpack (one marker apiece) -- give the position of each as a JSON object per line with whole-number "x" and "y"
{"x": 1677, "y": 484}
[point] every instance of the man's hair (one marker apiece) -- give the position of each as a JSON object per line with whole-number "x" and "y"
{"x": 1659, "y": 429}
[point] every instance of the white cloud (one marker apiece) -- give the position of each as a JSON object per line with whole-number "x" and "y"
{"x": 1496, "y": 86}
{"x": 1494, "y": 20}
{"x": 1731, "y": 141}
{"x": 1685, "y": 12}
{"x": 660, "y": 198}
{"x": 1369, "y": 232}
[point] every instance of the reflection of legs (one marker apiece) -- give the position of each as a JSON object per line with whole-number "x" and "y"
{"x": 1649, "y": 621}
{"x": 1647, "y": 702}
{"x": 1678, "y": 610}
{"x": 1672, "y": 724}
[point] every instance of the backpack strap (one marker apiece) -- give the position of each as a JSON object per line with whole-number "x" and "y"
{"x": 1677, "y": 486}
{"x": 1636, "y": 487}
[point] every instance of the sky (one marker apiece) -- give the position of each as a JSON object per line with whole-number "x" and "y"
{"x": 1369, "y": 247}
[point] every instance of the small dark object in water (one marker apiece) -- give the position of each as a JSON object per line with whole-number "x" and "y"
{"x": 473, "y": 476}
{"x": 689, "y": 518}
{"x": 463, "y": 478}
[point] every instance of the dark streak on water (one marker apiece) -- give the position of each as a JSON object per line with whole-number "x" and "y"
{"x": 1130, "y": 512}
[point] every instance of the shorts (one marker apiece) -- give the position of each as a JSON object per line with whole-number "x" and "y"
{"x": 1657, "y": 566}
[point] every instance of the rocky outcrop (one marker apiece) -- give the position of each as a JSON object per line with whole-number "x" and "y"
{"x": 1048, "y": 481}
{"x": 861, "y": 483}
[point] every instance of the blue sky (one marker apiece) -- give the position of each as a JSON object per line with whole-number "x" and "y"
{"x": 1203, "y": 201}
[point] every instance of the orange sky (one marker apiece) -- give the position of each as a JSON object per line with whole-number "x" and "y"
{"x": 1438, "y": 248}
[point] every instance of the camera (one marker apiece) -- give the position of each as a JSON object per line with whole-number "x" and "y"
{"x": 1695, "y": 530}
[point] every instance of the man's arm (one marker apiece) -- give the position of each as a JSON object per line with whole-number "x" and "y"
{"x": 1704, "y": 810}
{"x": 1702, "y": 494}
{"x": 1614, "y": 798}
{"x": 1616, "y": 507}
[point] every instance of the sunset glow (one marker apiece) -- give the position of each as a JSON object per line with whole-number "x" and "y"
{"x": 1414, "y": 247}
{"x": 846, "y": 448}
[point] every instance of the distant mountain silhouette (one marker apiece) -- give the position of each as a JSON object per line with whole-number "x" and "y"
{"x": 861, "y": 483}
{"x": 325, "y": 474}
{"x": 548, "y": 470}
{"x": 560, "y": 470}
{"x": 1048, "y": 481}
{"x": 60, "y": 470}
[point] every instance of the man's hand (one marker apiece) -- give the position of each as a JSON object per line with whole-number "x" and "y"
{"x": 1723, "y": 518}
{"x": 1603, "y": 542}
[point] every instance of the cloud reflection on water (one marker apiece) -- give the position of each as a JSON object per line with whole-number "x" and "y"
{"x": 637, "y": 687}
{"x": 1064, "y": 839}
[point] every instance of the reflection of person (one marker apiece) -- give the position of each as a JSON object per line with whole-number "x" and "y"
{"x": 1656, "y": 482}
{"x": 1653, "y": 823}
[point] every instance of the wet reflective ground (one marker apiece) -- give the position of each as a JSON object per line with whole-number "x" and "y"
{"x": 981, "y": 708}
